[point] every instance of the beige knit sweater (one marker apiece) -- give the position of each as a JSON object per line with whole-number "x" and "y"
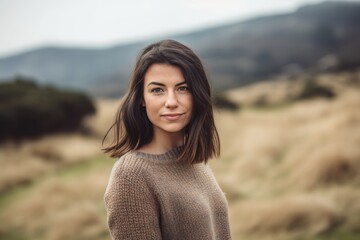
{"x": 156, "y": 197}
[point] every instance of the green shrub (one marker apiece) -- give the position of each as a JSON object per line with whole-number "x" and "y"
{"x": 29, "y": 110}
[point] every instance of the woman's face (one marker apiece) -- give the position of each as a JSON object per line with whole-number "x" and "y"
{"x": 167, "y": 99}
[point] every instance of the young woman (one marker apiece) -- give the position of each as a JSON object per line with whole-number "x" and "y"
{"x": 164, "y": 134}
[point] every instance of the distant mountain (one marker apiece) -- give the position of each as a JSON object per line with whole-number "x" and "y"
{"x": 315, "y": 37}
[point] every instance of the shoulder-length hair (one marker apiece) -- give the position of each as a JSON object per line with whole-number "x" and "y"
{"x": 132, "y": 128}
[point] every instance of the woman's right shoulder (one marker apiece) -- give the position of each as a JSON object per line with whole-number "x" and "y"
{"x": 129, "y": 166}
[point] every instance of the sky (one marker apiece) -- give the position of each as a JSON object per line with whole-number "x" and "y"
{"x": 26, "y": 24}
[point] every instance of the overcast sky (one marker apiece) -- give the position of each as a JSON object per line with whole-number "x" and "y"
{"x": 25, "y": 24}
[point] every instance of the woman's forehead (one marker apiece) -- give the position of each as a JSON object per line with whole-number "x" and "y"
{"x": 164, "y": 74}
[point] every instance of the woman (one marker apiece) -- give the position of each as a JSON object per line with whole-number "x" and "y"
{"x": 164, "y": 134}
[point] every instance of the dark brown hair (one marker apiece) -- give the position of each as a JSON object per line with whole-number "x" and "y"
{"x": 132, "y": 128}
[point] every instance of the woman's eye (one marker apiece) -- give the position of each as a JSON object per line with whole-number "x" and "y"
{"x": 184, "y": 89}
{"x": 157, "y": 90}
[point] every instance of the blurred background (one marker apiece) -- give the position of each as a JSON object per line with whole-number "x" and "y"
{"x": 286, "y": 83}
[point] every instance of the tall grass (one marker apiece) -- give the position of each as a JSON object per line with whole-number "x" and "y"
{"x": 286, "y": 168}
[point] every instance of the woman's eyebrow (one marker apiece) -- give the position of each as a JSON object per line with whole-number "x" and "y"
{"x": 161, "y": 84}
{"x": 181, "y": 83}
{"x": 156, "y": 83}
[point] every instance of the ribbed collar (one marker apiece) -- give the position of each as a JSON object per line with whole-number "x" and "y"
{"x": 170, "y": 155}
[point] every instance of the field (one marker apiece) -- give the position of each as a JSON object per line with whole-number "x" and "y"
{"x": 290, "y": 168}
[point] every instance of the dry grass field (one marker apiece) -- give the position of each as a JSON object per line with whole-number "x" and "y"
{"x": 290, "y": 169}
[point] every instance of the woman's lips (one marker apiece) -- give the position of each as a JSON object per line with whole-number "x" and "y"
{"x": 172, "y": 117}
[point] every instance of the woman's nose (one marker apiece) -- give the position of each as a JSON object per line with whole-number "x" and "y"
{"x": 171, "y": 100}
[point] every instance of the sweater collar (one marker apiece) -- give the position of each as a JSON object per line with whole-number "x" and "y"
{"x": 172, "y": 154}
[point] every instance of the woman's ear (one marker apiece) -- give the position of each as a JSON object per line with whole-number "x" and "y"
{"x": 142, "y": 103}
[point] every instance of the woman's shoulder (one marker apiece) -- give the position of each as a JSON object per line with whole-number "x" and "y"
{"x": 127, "y": 173}
{"x": 129, "y": 166}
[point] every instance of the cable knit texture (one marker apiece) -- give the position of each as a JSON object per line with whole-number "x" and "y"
{"x": 156, "y": 197}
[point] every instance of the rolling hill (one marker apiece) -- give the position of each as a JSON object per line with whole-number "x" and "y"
{"x": 319, "y": 37}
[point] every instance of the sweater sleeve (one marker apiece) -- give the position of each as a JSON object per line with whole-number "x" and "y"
{"x": 131, "y": 210}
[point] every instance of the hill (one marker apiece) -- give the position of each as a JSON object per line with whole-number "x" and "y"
{"x": 290, "y": 169}
{"x": 319, "y": 37}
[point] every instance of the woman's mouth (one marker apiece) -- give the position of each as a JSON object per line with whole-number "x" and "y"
{"x": 172, "y": 116}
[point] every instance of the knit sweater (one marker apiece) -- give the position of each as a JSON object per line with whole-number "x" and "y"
{"x": 156, "y": 197}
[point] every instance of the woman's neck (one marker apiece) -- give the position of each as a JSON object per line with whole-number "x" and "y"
{"x": 162, "y": 143}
